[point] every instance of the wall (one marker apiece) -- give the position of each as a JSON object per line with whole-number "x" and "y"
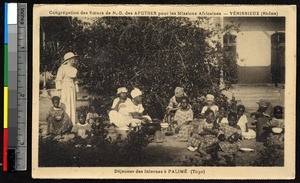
{"x": 253, "y": 45}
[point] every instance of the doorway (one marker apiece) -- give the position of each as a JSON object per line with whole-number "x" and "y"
{"x": 278, "y": 58}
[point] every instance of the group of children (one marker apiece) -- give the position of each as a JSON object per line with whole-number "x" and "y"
{"x": 59, "y": 123}
{"x": 123, "y": 113}
{"x": 219, "y": 128}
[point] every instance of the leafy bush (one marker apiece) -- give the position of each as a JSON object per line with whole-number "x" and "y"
{"x": 151, "y": 53}
{"x": 103, "y": 152}
{"x": 270, "y": 155}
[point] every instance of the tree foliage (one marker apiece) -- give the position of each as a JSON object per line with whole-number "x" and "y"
{"x": 151, "y": 53}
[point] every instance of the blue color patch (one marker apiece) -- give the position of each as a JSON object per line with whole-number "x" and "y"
{"x": 5, "y": 23}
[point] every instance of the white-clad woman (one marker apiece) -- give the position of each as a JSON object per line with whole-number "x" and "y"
{"x": 132, "y": 113}
{"x": 136, "y": 109}
{"x": 66, "y": 83}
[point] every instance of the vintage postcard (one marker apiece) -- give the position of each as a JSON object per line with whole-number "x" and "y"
{"x": 164, "y": 91}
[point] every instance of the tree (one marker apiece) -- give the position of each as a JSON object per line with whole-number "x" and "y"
{"x": 58, "y": 35}
{"x": 151, "y": 53}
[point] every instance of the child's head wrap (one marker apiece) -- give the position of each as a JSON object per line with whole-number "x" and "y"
{"x": 263, "y": 103}
{"x": 210, "y": 97}
{"x": 122, "y": 90}
{"x": 135, "y": 92}
{"x": 179, "y": 92}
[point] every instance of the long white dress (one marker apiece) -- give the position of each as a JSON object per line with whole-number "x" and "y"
{"x": 65, "y": 80}
{"x": 122, "y": 117}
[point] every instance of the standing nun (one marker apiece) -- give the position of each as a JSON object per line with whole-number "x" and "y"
{"x": 66, "y": 83}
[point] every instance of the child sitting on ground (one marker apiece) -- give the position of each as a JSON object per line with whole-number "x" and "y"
{"x": 111, "y": 133}
{"x": 262, "y": 117}
{"x": 230, "y": 137}
{"x": 174, "y": 103}
{"x": 276, "y": 135}
{"x": 277, "y": 120}
{"x": 264, "y": 109}
{"x": 183, "y": 116}
{"x": 232, "y": 126}
{"x": 206, "y": 136}
{"x": 58, "y": 121}
{"x": 210, "y": 105}
{"x": 222, "y": 117}
{"x": 92, "y": 116}
{"x": 242, "y": 118}
{"x": 82, "y": 130}
{"x": 243, "y": 123}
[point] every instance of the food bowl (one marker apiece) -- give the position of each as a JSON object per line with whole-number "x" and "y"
{"x": 164, "y": 125}
{"x": 249, "y": 135}
{"x": 245, "y": 149}
{"x": 277, "y": 130}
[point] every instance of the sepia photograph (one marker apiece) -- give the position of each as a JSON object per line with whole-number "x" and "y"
{"x": 159, "y": 89}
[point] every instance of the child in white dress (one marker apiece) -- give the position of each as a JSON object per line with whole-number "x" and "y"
{"x": 210, "y": 105}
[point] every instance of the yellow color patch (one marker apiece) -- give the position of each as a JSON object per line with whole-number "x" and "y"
{"x": 5, "y": 112}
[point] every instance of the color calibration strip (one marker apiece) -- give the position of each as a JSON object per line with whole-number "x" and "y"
{"x": 15, "y": 87}
{"x": 5, "y": 78}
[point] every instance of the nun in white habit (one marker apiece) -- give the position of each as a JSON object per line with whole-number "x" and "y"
{"x": 66, "y": 83}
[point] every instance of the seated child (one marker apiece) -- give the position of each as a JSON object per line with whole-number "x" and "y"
{"x": 243, "y": 123}
{"x": 276, "y": 137}
{"x": 206, "y": 136}
{"x": 278, "y": 112}
{"x": 242, "y": 118}
{"x": 183, "y": 116}
{"x": 232, "y": 126}
{"x": 111, "y": 133}
{"x": 210, "y": 105}
{"x": 262, "y": 117}
{"x": 222, "y": 117}
{"x": 277, "y": 120}
{"x": 174, "y": 103}
{"x": 230, "y": 137}
{"x": 82, "y": 130}
{"x": 58, "y": 121}
{"x": 264, "y": 109}
{"x": 92, "y": 116}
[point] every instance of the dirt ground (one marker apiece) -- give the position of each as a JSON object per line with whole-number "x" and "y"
{"x": 174, "y": 153}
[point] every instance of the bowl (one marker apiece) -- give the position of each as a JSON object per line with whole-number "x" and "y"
{"x": 164, "y": 125}
{"x": 245, "y": 149}
{"x": 249, "y": 135}
{"x": 277, "y": 130}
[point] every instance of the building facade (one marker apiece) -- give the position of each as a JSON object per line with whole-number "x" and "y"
{"x": 260, "y": 48}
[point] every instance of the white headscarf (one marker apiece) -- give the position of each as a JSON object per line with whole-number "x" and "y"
{"x": 122, "y": 90}
{"x": 136, "y": 92}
